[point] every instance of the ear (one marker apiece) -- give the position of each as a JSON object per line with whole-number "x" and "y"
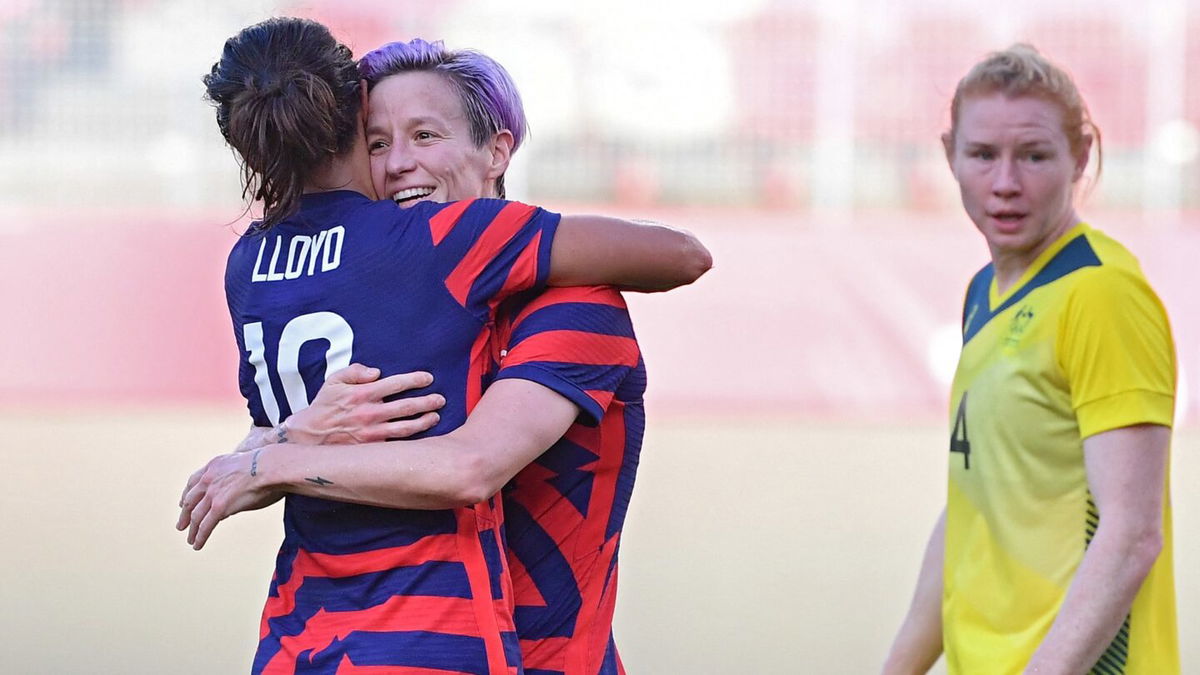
{"x": 1081, "y": 158}
{"x": 363, "y": 109}
{"x": 948, "y": 150}
{"x": 501, "y": 148}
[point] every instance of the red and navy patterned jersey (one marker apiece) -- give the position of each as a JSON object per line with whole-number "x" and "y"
{"x": 351, "y": 280}
{"x": 564, "y": 512}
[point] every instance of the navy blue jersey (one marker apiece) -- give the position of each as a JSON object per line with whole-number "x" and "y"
{"x": 348, "y": 280}
{"x": 564, "y": 513}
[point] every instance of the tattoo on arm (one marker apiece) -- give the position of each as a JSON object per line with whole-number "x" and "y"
{"x": 319, "y": 481}
{"x": 254, "y": 463}
{"x": 281, "y": 432}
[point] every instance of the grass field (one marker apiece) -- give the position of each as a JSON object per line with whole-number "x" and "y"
{"x": 752, "y": 547}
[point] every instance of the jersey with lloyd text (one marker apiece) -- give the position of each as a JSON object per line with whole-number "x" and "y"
{"x": 349, "y": 280}
{"x": 565, "y": 511}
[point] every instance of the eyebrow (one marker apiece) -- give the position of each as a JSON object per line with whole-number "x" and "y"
{"x": 1022, "y": 145}
{"x": 424, "y": 121}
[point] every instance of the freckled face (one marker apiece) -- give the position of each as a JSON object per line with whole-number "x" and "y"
{"x": 1016, "y": 172}
{"x": 420, "y": 142}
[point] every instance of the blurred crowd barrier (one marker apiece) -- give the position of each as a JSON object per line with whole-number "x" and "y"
{"x": 786, "y": 105}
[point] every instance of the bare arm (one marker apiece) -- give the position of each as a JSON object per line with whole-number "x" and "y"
{"x": 919, "y": 642}
{"x": 514, "y": 422}
{"x": 632, "y": 255}
{"x": 1126, "y": 471}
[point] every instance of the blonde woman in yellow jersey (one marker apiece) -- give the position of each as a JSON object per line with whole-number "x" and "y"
{"x": 1054, "y": 552}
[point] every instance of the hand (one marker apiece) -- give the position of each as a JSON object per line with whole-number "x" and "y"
{"x": 228, "y": 484}
{"x": 350, "y": 408}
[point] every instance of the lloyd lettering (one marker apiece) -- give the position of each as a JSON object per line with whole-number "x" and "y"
{"x": 303, "y": 254}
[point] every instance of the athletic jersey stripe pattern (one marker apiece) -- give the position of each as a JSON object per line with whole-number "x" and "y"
{"x": 348, "y": 279}
{"x": 565, "y": 511}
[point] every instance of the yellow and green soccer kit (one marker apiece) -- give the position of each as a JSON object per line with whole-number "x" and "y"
{"x": 1079, "y": 345}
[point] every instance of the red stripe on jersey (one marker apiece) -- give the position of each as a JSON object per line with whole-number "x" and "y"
{"x": 398, "y": 614}
{"x": 347, "y": 667}
{"x": 306, "y": 564}
{"x": 611, "y": 449}
{"x": 570, "y": 346}
{"x": 594, "y": 625}
{"x": 602, "y": 397}
{"x": 593, "y": 618}
{"x": 491, "y": 618}
{"x": 480, "y": 365}
{"x": 495, "y": 236}
{"x": 584, "y": 651}
{"x": 546, "y": 654}
{"x": 523, "y": 270}
{"x": 596, "y": 295}
{"x": 445, "y": 220}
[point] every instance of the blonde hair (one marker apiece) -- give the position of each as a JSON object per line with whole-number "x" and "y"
{"x": 1021, "y": 71}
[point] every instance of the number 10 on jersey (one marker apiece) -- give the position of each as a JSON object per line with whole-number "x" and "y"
{"x": 305, "y": 328}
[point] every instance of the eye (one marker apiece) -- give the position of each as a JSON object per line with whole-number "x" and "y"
{"x": 424, "y": 136}
{"x": 985, "y": 154}
{"x": 376, "y": 145}
{"x": 1038, "y": 156}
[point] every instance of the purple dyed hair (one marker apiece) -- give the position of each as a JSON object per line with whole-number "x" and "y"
{"x": 488, "y": 94}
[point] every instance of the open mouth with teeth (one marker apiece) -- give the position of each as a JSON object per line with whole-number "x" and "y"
{"x": 1007, "y": 219}
{"x": 412, "y": 194}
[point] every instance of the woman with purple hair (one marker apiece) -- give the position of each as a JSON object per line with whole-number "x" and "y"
{"x": 328, "y": 276}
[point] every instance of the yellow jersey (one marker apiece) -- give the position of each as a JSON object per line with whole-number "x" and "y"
{"x": 1080, "y": 344}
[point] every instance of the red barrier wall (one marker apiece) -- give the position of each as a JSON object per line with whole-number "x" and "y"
{"x": 798, "y": 316}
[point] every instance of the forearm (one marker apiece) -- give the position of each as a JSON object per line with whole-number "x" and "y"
{"x": 631, "y": 255}
{"x": 430, "y": 473}
{"x": 1113, "y": 569}
{"x": 918, "y": 643}
{"x": 514, "y": 422}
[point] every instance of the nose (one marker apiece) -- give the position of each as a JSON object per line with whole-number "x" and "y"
{"x": 399, "y": 160}
{"x": 1005, "y": 181}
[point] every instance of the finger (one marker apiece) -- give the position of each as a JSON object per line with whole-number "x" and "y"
{"x": 185, "y": 519}
{"x": 193, "y": 497}
{"x": 206, "y": 527}
{"x": 355, "y": 373}
{"x": 191, "y": 481}
{"x": 394, "y": 384}
{"x": 406, "y": 428}
{"x": 407, "y": 407}
{"x": 198, "y": 515}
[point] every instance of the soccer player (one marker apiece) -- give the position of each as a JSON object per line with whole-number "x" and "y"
{"x": 1053, "y": 554}
{"x": 359, "y": 579}
{"x": 565, "y": 512}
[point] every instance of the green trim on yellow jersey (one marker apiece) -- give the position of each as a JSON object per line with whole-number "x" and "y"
{"x": 1079, "y": 345}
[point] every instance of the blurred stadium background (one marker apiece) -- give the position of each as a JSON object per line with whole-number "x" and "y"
{"x": 795, "y": 460}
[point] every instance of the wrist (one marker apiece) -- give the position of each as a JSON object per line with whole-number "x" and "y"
{"x": 295, "y": 430}
{"x": 265, "y": 469}
{"x": 285, "y": 432}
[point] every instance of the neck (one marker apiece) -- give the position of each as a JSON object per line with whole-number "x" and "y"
{"x": 347, "y": 171}
{"x": 1009, "y": 266}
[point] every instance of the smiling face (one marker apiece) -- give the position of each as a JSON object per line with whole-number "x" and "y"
{"x": 420, "y": 143}
{"x": 1016, "y": 172}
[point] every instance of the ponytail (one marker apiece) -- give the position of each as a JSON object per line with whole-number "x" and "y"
{"x": 287, "y": 101}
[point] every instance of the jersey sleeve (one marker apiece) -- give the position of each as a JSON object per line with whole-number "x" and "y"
{"x": 487, "y": 250}
{"x": 578, "y": 342}
{"x": 1116, "y": 350}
